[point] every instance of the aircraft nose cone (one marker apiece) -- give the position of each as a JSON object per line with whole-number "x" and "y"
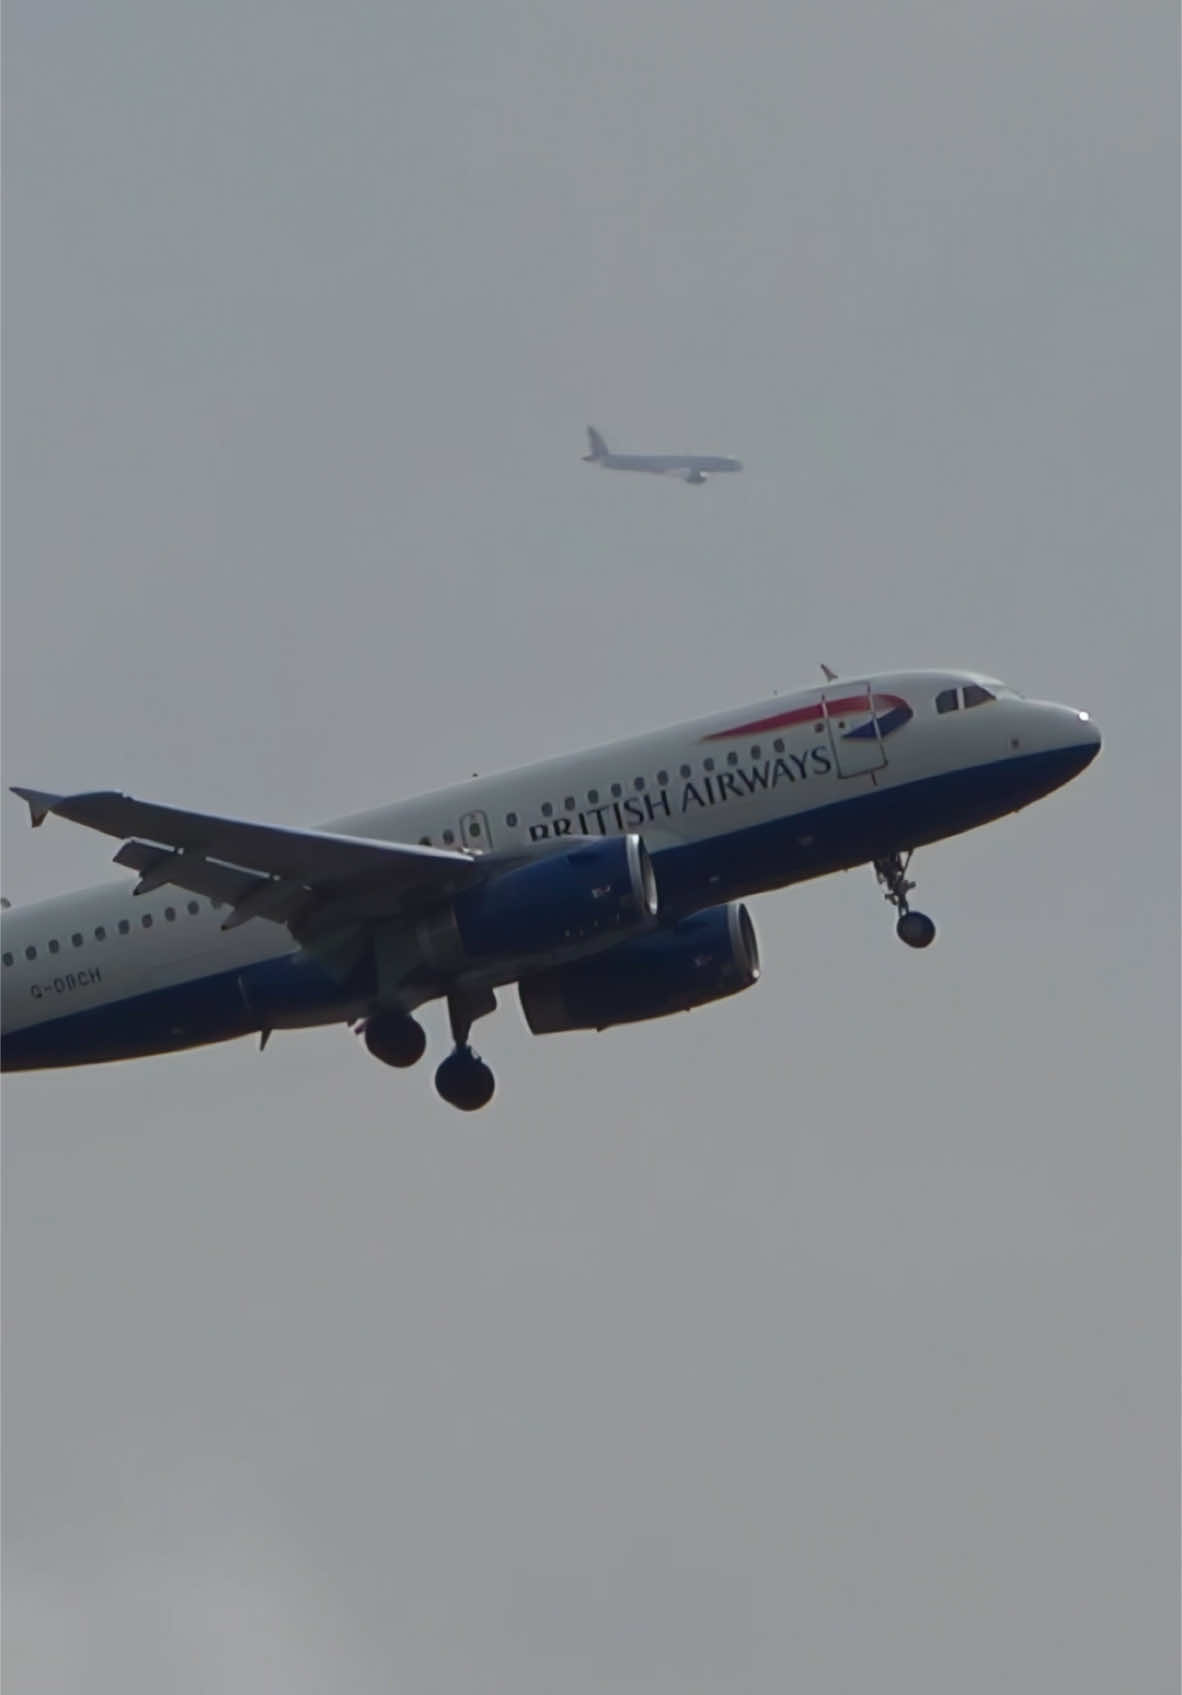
{"x": 1089, "y": 735}
{"x": 1078, "y": 740}
{"x": 1069, "y": 742}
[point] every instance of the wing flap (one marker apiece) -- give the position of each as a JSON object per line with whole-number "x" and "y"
{"x": 186, "y": 871}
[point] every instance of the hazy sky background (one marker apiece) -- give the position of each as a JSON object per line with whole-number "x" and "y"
{"x": 825, "y": 1340}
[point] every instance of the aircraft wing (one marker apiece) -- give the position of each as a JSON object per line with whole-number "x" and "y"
{"x": 262, "y": 870}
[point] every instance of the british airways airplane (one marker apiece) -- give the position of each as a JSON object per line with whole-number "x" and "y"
{"x": 690, "y": 467}
{"x": 607, "y": 886}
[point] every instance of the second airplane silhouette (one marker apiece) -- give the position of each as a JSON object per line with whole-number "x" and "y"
{"x": 690, "y": 467}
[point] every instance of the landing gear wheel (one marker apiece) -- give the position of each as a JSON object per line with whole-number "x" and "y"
{"x": 916, "y": 929}
{"x": 464, "y": 1081}
{"x": 395, "y": 1038}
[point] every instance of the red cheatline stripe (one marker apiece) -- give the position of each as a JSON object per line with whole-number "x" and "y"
{"x": 803, "y": 715}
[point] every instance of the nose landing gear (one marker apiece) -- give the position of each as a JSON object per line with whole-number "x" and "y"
{"x": 914, "y": 928}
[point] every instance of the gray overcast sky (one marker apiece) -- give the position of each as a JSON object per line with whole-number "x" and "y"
{"x": 827, "y": 1339}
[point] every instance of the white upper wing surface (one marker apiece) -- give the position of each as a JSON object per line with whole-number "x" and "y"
{"x": 261, "y": 870}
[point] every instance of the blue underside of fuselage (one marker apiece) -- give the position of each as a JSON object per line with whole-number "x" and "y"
{"x": 690, "y": 876}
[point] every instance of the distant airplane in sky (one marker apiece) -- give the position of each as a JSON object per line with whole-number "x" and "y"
{"x": 608, "y": 885}
{"x": 690, "y": 467}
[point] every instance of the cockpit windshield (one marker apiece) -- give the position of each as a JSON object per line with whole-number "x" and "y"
{"x": 973, "y": 694}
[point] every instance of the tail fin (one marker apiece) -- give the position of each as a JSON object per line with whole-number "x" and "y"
{"x": 598, "y": 445}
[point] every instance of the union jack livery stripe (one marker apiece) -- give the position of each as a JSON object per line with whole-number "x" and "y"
{"x": 890, "y": 713}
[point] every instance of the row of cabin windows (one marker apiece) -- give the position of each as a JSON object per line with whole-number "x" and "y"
{"x": 595, "y": 798}
{"x": 948, "y": 700}
{"x": 78, "y": 940}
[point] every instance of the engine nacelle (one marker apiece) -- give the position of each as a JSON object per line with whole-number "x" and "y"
{"x": 556, "y": 903}
{"x": 701, "y": 959}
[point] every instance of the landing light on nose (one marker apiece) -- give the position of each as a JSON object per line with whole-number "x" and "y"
{"x": 1091, "y": 733}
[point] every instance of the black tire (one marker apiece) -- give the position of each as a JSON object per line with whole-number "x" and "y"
{"x": 464, "y": 1081}
{"x": 395, "y": 1039}
{"x": 916, "y": 929}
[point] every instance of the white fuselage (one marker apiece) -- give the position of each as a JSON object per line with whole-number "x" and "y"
{"x": 691, "y": 467}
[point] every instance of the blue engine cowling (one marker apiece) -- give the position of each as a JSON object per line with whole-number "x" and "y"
{"x": 558, "y": 902}
{"x": 701, "y": 959}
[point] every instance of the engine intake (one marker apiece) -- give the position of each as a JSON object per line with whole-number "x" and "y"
{"x": 701, "y": 959}
{"x": 553, "y": 905}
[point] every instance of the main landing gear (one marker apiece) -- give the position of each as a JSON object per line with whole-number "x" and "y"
{"x": 914, "y": 928}
{"x": 463, "y": 1080}
{"x": 395, "y": 1038}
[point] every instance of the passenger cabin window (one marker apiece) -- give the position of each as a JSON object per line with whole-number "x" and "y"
{"x": 193, "y": 908}
{"x": 8, "y": 959}
{"x": 124, "y": 926}
{"x": 54, "y": 946}
{"x": 975, "y": 695}
{"x": 946, "y": 701}
{"x": 511, "y": 820}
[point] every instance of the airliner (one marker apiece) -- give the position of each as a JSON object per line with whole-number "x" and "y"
{"x": 609, "y": 887}
{"x": 690, "y": 467}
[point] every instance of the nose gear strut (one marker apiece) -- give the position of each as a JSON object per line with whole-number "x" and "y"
{"x": 914, "y": 928}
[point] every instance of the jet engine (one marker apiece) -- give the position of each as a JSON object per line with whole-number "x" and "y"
{"x": 555, "y": 905}
{"x": 700, "y": 959}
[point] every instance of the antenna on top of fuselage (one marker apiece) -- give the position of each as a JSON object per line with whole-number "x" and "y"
{"x": 830, "y": 676}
